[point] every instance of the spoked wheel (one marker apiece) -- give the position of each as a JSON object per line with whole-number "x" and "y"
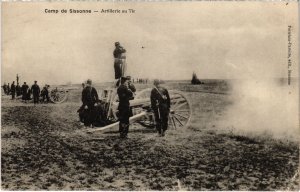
{"x": 180, "y": 111}
{"x": 58, "y": 95}
{"x": 144, "y": 95}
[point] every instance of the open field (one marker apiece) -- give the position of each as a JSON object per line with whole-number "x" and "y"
{"x": 45, "y": 148}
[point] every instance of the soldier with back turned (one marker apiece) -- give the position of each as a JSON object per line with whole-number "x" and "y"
{"x": 25, "y": 90}
{"x": 13, "y": 90}
{"x": 35, "y": 90}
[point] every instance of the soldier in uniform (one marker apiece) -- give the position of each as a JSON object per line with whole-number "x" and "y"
{"x": 125, "y": 94}
{"x": 24, "y": 89}
{"x": 45, "y": 93}
{"x": 5, "y": 88}
{"x": 8, "y": 89}
{"x": 118, "y": 60}
{"x": 81, "y": 110}
{"x": 35, "y": 90}
{"x": 160, "y": 103}
{"x": 13, "y": 90}
{"x": 18, "y": 89}
{"x": 89, "y": 99}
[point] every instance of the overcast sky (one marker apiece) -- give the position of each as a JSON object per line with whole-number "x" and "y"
{"x": 214, "y": 39}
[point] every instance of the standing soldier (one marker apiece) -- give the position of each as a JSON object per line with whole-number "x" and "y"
{"x": 118, "y": 62}
{"x": 24, "y": 91}
{"x": 81, "y": 110}
{"x": 5, "y": 88}
{"x": 13, "y": 90}
{"x": 89, "y": 99}
{"x": 160, "y": 103}
{"x": 45, "y": 93}
{"x": 8, "y": 89}
{"x": 125, "y": 94}
{"x": 18, "y": 89}
{"x": 35, "y": 90}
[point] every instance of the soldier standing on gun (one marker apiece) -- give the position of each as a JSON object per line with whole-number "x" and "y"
{"x": 118, "y": 60}
{"x": 13, "y": 90}
{"x": 160, "y": 103}
{"x": 35, "y": 89}
{"x": 125, "y": 94}
{"x": 89, "y": 99}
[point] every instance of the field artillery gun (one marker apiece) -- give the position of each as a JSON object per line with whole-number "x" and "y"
{"x": 60, "y": 94}
{"x": 180, "y": 110}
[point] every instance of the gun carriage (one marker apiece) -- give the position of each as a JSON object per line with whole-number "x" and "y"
{"x": 180, "y": 110}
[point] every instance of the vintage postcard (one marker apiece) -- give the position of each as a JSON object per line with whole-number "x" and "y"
{"x": 143, "y": 96}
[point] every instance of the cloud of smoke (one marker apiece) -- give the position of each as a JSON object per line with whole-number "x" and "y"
{"x": 266, "y": 108}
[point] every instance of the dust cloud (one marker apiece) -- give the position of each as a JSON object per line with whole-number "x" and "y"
{"x": 268, "y": 108}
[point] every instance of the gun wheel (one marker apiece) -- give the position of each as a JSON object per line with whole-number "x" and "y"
{"x": 180, "y": 110}
{"x": 58, "y": 95}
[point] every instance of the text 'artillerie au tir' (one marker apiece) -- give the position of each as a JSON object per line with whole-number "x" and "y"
{"x": 88, "y": 11}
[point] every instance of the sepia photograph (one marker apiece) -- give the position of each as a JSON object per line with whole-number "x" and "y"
{"x": 150, "y": 96}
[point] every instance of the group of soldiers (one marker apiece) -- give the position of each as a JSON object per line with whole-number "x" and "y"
{"x": 160, "y": 99}
{"x": 26, "y": 92}
{"x": 140, "y": 80}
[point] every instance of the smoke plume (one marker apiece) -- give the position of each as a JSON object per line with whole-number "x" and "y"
{"x": 266, "y": 108}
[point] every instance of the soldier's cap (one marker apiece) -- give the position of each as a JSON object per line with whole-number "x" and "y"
{"x": 128, "y": 77}
{"x": 156, "y": 82}
{"x": 35, "y": 81}
{"x": 89, "y": 81}
{"x": 117, "y": 43}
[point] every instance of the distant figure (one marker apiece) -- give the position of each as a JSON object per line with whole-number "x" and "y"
{"x": 89, "y": 99}
{"x": 125, "y": 94}
{"x": 45, "y": 94}
{"x": 25, "y": 90}
{"x": 35, "y": 90}
{"x": 8, "y": 89}
{"x": 18, "y": 90}
{"x": 13, "y": 90}
{"x": 118, "y": 62}
{"x": 5, "y": 88}
{"x": 160, "y": 103}
{"x": 80, "y": 111}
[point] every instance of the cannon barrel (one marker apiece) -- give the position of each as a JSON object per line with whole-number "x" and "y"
{"x": 131, "y": 119}
{"x": 146, "y": 101}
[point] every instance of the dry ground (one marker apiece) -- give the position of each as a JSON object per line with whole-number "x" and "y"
{"x": 45, "y": 148}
